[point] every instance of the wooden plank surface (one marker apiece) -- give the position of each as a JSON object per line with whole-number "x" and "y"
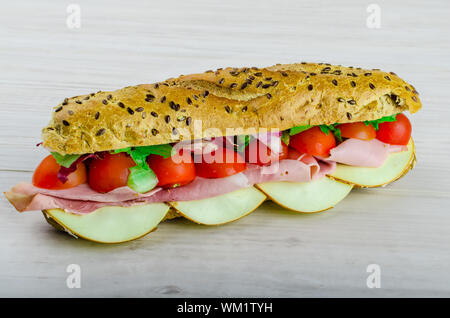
{"x": 404, "y": 228}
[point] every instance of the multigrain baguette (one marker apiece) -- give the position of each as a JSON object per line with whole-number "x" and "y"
{"x": 280, "y": 97}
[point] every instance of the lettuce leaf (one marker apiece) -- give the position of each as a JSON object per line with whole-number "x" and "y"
{"x": 295, "y": 130}
{"x": 65, "y": 160}
{"x": 285, "y": 137}
{"x": 142, "y": 179}
{"x": 378, "y": 121}
{"x": 334, "y": 130}
{"x": 242, "y": 142}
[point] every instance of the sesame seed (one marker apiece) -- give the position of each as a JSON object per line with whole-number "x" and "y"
{"x": 144, "y": 114}
{"x": 284, "y": 74}
{"x": 387, "y": 77}
{"x": 244, "y": 109}
{"x": 349, "y": 116}
{"x": 351, "y": 102}
{"x": 268, "y": 96}
{"x": 174, "y": 131}
{"x": 109, "y": 97}
{"x": 244, "y": 85}
{"x": 189, "y": 101}
{"x": 340, "y": 99}
{"x": 139, "y": 109}
{"x": 100, "y": 132}
{"x": 228, "y": 109}
{"x": 154, "y": 132}
{"x": 206, "y": 93}
{"x": 275, "y": 83}
{"x": 163, "y": 99}
{"x": 121, "y": 104}
{"x": 130, "y": 110}
{"x": 78, "y": 101}
{"x": 335, "y": 83}
{"x": 58, "y": 109}
{"x": 188, "y": 121}
{"x": 105, "y": 102}
{"x": 65, "y": 122}
{"x": 353, "y": 83}
{"x": 259, "y": 84}
{"x": 310, "y": 87}
{"x": 371, "y": 86}
{"x": 414, "y": 98}
{"x": 66, "y": 101}
{"x": 154, "y": 114}
{"x": 221, "y": 81}
{"x": 266, "y": 86}
{"x": 167, "y": 119}
{"x": 258, "y": 74}
{"x": 233, "y": 85}
{"x": 407, "y": 88}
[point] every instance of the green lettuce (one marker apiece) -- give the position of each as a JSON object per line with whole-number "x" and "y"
{"x": 298, "y": 129}
{"x": 378, "y": 121}
{"x": 142, "y": 179}
{"x": 65, "y": 160}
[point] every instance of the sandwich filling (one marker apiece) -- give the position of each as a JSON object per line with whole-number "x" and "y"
{"x": 199, "y": 169}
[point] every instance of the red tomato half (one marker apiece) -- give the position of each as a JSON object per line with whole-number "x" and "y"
{"x": 357, "y": 130}
{"x": 313, "y": 141}
{"x": 293, "y": 154}
{"x": 258, "y": 153}
{"x": 220, "y": 163}
{"x": 177, "y": 170}
{"x": 110, "y": 173}
{"x": 396, "y": 132}
{"x": 46, "y": 175}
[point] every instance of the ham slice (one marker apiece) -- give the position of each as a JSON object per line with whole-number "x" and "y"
{"x": 84, "y": 192}
{"x": 362, "y": 153}
{"x": 82, "y": 199}
{"x": 24, "y": 202}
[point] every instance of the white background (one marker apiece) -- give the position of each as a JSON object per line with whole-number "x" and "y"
{"x": 405, "y": 227}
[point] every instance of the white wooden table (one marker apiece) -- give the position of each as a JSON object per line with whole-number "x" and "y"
{"x": 404, "y": 228}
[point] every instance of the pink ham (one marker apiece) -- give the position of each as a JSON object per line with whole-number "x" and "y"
{"x": 82, "y": 199}
{"x": 84, "y": 192}
{"x": 200, "y": 188}
{"x": 362, "y": 153}
{"x": 23, "y": 202}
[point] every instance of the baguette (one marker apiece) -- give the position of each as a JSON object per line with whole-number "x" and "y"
{"x": 276, "y": 97}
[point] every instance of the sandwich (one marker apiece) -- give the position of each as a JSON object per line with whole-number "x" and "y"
{"x": 212, "y": 147}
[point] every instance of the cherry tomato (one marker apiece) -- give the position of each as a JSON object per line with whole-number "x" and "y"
{"x": 396, "y": 132}
{"x": 46, "y": 175}
{"x": 222, "y": 162}
{"x": 293, "y": 154}
{"x": 313, "y": 141}
{"x": 357, "y": 130}
{"x": 258, "y": 153}
{"x": 174, "y": 171}
{"x": 110, "y": 173}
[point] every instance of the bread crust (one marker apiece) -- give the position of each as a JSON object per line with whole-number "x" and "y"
{"x": 247, "y": 99}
